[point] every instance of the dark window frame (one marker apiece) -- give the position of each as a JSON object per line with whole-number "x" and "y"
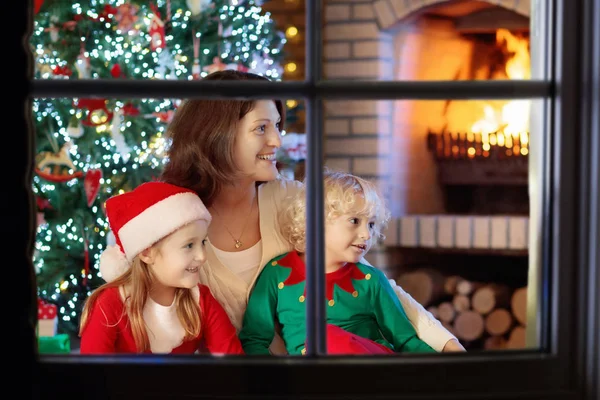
{"x": 567, "y": 362}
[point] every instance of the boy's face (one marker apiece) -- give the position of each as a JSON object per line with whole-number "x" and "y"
{"x": 178, "y": 258}
{"x": 348, "y": 237}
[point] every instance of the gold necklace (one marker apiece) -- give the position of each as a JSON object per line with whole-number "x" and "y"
{"x": 238, "y": 242}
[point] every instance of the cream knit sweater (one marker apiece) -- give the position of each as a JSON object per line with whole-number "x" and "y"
{"x": 232, "y": 292}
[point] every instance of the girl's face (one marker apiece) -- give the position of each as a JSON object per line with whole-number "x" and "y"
{"x": 348, "y": 238}
{"x": 257, "y": 140}
{"x": 176, "y": 260}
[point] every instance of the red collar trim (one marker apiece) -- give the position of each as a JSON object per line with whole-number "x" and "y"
{"x": 343, "y": 277}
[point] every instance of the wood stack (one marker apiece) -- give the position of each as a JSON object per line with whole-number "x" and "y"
{"x": 491, "y": 315}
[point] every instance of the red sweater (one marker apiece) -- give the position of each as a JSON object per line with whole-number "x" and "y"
{"x": 108, "y": 332}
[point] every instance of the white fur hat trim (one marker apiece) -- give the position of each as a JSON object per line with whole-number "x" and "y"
{"x": 113, "y": 263}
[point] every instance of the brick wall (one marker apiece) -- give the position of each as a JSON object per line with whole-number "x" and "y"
{"x": 385, "y": 140}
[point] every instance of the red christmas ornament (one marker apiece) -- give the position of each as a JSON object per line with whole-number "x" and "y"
{"x": 94, "y": 106}
{"x": 37, "y": 4}
{"x": 116, "y": 71}
{"x": 157, "y": 30}
{"x": 91, "y": 185}
{"x": 130, "y": 109}
{"x": 107, "y": 12}
{"x": 58, "y": 70}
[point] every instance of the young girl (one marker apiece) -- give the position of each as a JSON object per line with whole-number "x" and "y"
{"x": 224, "y": 150}
{"x": 364, "y": 316}
{"x": 152, "y": 302}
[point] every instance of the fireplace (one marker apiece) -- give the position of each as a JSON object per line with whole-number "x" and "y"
{"x": 462, "y": 152}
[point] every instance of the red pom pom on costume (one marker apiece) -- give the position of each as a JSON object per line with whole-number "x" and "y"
{"x": 113, "y": 263}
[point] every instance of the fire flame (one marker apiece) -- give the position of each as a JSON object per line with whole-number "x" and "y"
{"x": 504, "y": 124}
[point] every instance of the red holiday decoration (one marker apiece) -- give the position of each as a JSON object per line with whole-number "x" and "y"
{"x": 116, "y": 71}
{"x": 58, "y": 70}
{"x": 157, "y": 30}
{"x": 37, "y": 4}
{"x": 47, "y": 318}
{"x": 46, "y": 310}
{"x": 107, "y": 12}
{"x": 42, "y": 203}
{"x": 91, "y": 185}
{"x": 56, "y": 177}
{"x": 94, "y": 107}
{"x": 130, "y": 109}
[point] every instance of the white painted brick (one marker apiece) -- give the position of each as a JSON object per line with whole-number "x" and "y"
{"x": 499, "y": 232}
{"x": 375, "y": 69}
{"x": 332, "y": 51}
{"x": 351, "y": 108}
{"x": 363, "y": 11}
{"x": 408, "y": 231}
{"x": 463, "y": 232}
{"x": 385, "y": 14}
{"x": 427, "y": 231}
{"x": 481, "y": 232}
{"x": 353, "y": 147}
{"x": 373, "y": 49}
{"x": 518, "y": 233}
{"x": 337, "y": 126}
{"x": 371, "y": 126}
{"x": 370, "y": 166}
{"x": 338, "y": 12}
{"x": 352, "y": 30}
{"x": 445, "y": 231}
{"x": 338, "y": 164}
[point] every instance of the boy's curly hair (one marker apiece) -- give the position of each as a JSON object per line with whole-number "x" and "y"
{"x": 341, "y": 191}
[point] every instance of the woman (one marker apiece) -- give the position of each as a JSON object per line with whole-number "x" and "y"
{"x": 225, "y": 152}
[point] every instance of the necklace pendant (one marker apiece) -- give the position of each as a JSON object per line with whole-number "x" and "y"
{"x": 238, "y": 244}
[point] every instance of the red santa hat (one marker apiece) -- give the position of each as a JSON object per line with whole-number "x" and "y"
{"x": 142, "y": 217}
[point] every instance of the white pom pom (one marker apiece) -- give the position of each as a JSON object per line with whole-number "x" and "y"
{"x": 113, "y": 263}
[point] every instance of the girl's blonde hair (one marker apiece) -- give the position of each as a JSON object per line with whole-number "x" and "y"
{"x": 342, "y": 193}
{"x": 138, "y": 281}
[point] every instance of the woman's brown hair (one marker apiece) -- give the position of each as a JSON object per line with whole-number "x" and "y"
{"x": 203, "y": 133}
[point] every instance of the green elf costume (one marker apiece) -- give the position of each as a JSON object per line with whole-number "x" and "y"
{"x": 364, "y": 316}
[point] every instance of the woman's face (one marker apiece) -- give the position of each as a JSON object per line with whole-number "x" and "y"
{"x": 257, "y": 141}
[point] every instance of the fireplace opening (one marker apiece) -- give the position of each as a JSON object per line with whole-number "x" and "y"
{"x": 484, "y": 166}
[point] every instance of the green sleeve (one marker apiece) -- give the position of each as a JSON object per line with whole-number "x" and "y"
{"x": 258, "y": 326}
{"x": 392, "y": 319}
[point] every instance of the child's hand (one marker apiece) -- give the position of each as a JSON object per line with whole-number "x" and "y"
{"x": 453, "y": 345}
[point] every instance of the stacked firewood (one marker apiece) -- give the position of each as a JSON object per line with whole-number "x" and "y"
{"x": 480, "y": 314}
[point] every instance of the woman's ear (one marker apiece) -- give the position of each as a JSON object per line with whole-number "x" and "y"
{"x": 147, "y": 255}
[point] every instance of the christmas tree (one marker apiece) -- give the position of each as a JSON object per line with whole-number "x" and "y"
{"x": 89, "y": 149}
